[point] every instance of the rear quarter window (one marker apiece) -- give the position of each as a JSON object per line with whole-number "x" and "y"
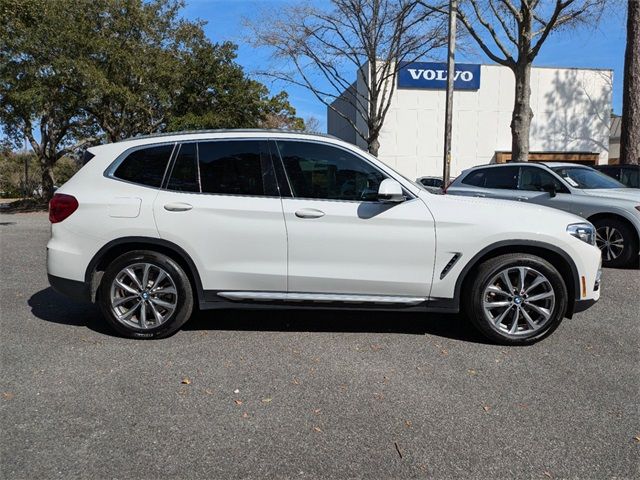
{"x": 145, "y": 166}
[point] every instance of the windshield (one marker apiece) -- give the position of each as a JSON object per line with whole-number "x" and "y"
{"x": 587, "y": 178}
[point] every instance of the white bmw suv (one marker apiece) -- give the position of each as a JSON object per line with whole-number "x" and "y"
{"x": 153, "y": 227}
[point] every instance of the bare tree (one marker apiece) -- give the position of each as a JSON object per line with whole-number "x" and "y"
{"x": 324, "y": 47}
{"x": 630, "y": 135}
{"x": 511, "y": 33}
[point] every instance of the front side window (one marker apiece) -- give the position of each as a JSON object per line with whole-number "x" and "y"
{"x": 145, "y": 166}
{"x": 536, "y": 179}
{"x": 326, "y": 172}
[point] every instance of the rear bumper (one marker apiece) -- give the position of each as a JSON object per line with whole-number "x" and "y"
{"x": 71, "y": 288}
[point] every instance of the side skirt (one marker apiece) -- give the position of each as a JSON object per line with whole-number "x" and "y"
{"x": 323, "y": 301}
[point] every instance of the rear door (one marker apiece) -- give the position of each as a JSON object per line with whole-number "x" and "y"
{"x": 342, "y": 240}
{"x": 490, "y": 182}
{"x": 221, "y": 204}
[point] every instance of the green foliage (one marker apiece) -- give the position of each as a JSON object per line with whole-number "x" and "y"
{"x": 74, "y": 72}
{"x": 12, "y": 173}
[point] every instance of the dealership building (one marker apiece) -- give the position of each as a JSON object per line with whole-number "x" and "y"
{"x": 571, "y": 117}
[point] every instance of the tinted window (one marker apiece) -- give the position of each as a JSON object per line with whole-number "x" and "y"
{"x": 498, "y": 177}
{"x": 630, "y": 177}
{"x": 236, "y": 168}
{"x": 184, "y": 175}
{"x": 145, "y": 166}
{"x": 322, "y": 171}
{"x": 534, "y": 179}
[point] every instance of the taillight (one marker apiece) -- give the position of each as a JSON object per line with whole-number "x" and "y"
{"x": 61, "y": 206}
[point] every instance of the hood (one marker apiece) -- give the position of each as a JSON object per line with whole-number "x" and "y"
{"x": 506, "y": 209}
{"x": 632, "y": 194}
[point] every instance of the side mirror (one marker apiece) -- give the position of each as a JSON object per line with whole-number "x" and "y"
{"x": 550, "y": 188}
{"x": 390, "y": 191}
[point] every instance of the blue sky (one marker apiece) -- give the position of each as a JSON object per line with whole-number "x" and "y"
{"x": 591, "y": 47}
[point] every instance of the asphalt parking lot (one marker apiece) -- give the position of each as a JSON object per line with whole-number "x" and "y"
{"x": 295, "y": 394}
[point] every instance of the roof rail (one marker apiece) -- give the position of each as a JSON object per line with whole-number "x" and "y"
{"x": 229, "y": 130}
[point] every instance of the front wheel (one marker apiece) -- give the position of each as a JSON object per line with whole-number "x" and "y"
{"x": 516, "y": 299}
{"x": 145, "y": 294}
{"x": 616, "y": 241}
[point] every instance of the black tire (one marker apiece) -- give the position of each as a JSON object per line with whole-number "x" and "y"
{"x": 474, "y": 298}
{"x": 183, "y": 299}
{"x": 629, "y": 255}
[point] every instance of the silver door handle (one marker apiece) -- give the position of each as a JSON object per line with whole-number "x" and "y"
{"x": 177, "y": 207}
{"x": 523, "y": 198}
{"x": 481, "y": 195}
{"x": 309, "y": 213}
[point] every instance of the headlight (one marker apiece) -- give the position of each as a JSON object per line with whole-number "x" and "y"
{"x": 584, "y": 231}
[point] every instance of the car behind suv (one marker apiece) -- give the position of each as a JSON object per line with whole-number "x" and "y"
{"x": 153, "y": 227}
{"x": 606, "y": 203}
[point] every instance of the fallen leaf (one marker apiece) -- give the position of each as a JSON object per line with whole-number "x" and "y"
{"x": 317, "y": 411}
{"x": 547, "y": 474}
{"x": 296, "y": 381}
{"x": 245, "y": 415}
{"x": 375, "y": 348}
{"x": 208, "y": 391}
{"x": 7, "y": 395}
{"x": 407, "y": 423}
{"x": 472, "y": 371}
{"x": 637, "y": 438}
{"x": 444, "y": 352}
{"x": 266, "y": 400}
{"x": 186, "y": 381}
{"x": 317, "y": 429}
{"x": 238, "y": 402}
{"x": 486, "y": 408}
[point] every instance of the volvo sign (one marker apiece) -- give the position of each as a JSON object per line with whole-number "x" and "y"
{"x": 433, "y": 76}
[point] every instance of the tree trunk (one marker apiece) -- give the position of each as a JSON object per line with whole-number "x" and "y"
{"x": 47, "y": 179}
{"x": 373, "y": 146}
{"x": 522, "y": 113}
{"x": 630, "y": 134}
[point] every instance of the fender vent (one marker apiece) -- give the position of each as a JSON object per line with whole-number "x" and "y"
{"x": 450, "y": 265}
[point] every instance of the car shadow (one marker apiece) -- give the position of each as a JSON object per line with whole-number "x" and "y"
{"x": 50, "y": 306}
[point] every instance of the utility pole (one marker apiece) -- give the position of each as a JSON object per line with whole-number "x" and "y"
{"x": 26, "y": 170}
{"x": 453, "y": 17}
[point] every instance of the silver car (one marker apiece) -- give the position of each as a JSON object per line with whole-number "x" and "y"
{"x": 605, "y": 202}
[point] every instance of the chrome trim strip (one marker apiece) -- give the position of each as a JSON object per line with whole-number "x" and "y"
{"x": 323, "y": 297}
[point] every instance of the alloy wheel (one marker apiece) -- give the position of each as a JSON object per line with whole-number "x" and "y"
{"x": 610, "y": 242}
{"x": 143, "y": 295}
{"x": 518, "y": 301}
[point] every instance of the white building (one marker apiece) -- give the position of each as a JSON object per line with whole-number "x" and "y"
{"x": 571, "y": 121}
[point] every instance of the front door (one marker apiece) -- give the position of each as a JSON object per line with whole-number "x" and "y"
{"x": 222, "y": 206}
{"x": 341, "y": 239}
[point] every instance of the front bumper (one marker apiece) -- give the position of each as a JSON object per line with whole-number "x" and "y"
{"x": 582, "y": 305}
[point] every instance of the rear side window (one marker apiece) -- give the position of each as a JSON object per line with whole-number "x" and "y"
{"x": 145, "y": 166}
{"x": 505, "y": 178}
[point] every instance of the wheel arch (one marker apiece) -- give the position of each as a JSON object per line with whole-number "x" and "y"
{"x": 554, "y": 255}
{"x": 115, "y": 248}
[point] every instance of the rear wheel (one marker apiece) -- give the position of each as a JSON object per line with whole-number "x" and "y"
{"x": 144, "y": 294}
{"x": 616, "y": 241}
{"x": 516, "y": 299}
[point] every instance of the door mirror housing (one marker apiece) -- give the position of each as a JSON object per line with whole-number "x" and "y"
{"x": 390, "y": 191}
{"x": 550, "y": 188}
